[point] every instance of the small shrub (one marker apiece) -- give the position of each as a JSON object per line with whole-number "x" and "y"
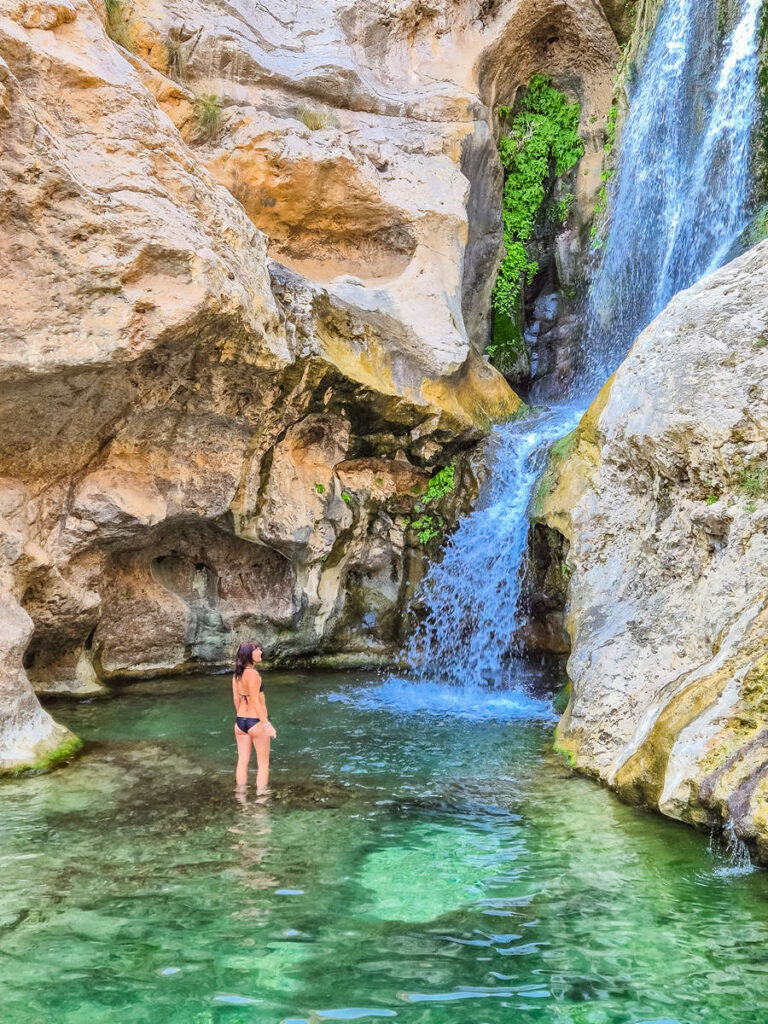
{"x": 320, "y": 488}
{"x": 208, "y": 117}
{"x": 315, "y": 118}
{"x": 119, "y": 22}
{"x": 429, "y": 525}
{"x": 442, "y": 483}
{"x": 346, "y": 497}
{"x": 559, "y": 212}
{"x": 753, "y": 482}
{"x": 712, "y": 499}
{"x": 177, "y": 60}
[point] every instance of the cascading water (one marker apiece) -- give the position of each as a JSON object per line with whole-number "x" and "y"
{"x": 681, "y": 201}
{"x": 473, "y": 593}
{"x": 684, "y": 173}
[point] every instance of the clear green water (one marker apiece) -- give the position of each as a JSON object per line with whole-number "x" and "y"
{"x": 426, "y": 868}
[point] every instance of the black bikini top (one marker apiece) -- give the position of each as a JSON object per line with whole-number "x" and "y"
{"x": 244, "y": 696}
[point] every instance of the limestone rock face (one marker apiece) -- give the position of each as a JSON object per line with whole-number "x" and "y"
{"x": 664, "y": 499}
{"x": 246, "y": 258}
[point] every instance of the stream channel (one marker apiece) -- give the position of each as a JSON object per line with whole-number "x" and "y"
{"x": 430, "y": 866}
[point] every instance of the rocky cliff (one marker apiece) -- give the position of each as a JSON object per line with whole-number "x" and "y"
{"x": 247, "y": 253}
{"x": 662, "y": 493}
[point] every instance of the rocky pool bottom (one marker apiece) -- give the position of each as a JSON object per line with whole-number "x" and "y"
{"x": 430, "y": 866}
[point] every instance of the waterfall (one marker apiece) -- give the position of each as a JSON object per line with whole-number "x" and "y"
{"x": 731, "y": 854}
{"x": 680, "y": 202}
{"x": 683, "y": 175}
{"x": 472, "y": 594}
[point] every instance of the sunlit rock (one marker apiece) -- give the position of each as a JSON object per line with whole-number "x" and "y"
{"x": 663, "y": 496}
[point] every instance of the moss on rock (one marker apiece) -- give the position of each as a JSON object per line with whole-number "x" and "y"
{"x": 54, "y": 758}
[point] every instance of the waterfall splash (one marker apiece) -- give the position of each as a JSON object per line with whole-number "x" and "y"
{"x": 681, "y": 202}
{"x": 730, "y": 853}
{"x": 473, "y": 593}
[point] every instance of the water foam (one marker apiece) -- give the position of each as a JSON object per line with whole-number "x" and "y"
{"x": 470, "y": 703}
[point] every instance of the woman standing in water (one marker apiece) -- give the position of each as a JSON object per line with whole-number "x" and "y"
{"x": 252, "y": 724}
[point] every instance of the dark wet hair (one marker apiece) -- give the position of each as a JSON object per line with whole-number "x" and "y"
{"x": 244, "y": 656}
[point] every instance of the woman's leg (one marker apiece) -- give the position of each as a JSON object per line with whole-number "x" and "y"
{"x": 243, "y": 756}
{"x": 261, "y": 744}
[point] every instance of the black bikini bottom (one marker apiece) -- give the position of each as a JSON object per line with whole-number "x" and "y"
{"x": 244, "y": 724}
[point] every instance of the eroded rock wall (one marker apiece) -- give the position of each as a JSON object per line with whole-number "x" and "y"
{"x": 246, "y": 258}
{"x": 662, "y": 493}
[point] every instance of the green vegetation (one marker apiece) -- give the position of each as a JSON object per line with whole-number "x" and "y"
{"x": 208, "y": 117}
{"x": 345, "y": 496}
{"x": 563, "y": 752}
{"x": 753, "y": 482}
{"x": 559, "y": 211}
{"x": 508, "y": 345}
{"x": 320, "y": 488}
{"x": 61, "y": 753}
{"x": 610, "y": 128}
{"x": 429, "y": 525}
{"x": 602, "y": 196}
{"x": 712, "y": 499}
{"x": 119, "y": 22}
{"x": 442, "y": 483}
{"x": 541, "y": 141}
{"x": 560, "y": 703}
{"x": 177, "y": 60}
{"x": 315, "y": 118}
{"x": 558, "y": 453}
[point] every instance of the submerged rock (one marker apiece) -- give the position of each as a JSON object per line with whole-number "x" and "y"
{"x": 663, "y": 496}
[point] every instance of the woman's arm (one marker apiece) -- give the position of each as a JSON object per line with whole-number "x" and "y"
{"x": 235, "y": 695}
{"x": 261, "y": 704}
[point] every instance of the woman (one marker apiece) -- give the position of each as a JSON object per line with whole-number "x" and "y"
{"x": 252, "y": 725}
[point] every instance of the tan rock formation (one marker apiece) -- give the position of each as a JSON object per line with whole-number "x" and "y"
{"x": 172, "y": 401}
{"x": 664, "y": 499}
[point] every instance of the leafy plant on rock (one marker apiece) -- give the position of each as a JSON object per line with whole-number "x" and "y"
{"x": 208, "y": 116}
{"x": 429, "y": 525}
{"x": 541, "y": 141}
{"x": 753, "y": 481}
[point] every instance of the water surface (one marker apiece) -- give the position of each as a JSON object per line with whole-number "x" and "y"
{"x": 429, "y": 867}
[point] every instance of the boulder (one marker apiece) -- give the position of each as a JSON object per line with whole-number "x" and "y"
{"x": 663, "y": 497}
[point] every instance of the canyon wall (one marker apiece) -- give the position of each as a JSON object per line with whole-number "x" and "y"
{"x": 246, "y": 256}
{"x": 662, "y": 494}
